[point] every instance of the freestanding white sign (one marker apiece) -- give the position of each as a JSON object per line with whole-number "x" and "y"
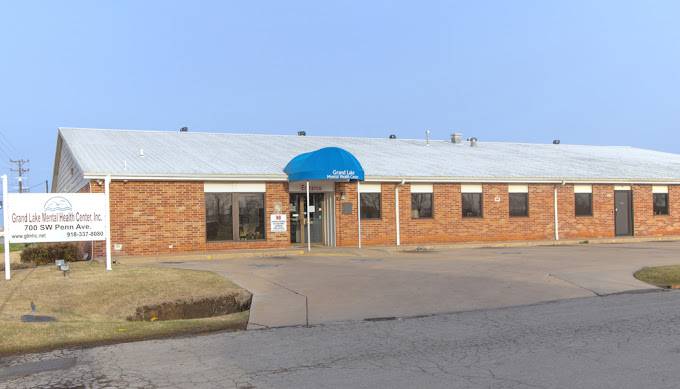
{"x": 55, "y": 217}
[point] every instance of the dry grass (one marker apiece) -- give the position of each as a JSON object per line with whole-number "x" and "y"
{"x": 91, "y": 304}
{"x": 662, "y": 276}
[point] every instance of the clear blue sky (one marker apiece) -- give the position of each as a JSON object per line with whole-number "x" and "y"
{"x": 598, "y": 72}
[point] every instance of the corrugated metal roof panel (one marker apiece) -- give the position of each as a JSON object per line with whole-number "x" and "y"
{"x": 204, "y": 155}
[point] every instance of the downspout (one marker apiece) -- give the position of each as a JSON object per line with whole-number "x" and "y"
{"x": 308, "y": 220}
{"x": 396, "y": 209}
{"x": 557, "y": 220}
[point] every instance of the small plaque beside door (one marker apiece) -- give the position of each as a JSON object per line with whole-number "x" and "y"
{"x": 346, "y": 208}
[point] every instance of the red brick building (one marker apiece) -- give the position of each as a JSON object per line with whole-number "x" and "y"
{"x": 190, "y": 191}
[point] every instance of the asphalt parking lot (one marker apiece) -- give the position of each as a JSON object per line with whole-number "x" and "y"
{"x": 325, "y": 288}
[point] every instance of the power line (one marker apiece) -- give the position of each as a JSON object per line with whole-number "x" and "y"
{"x": 6, "y": 146}
{"x": 20, "y": 170}
{"x": 7, "y": 141}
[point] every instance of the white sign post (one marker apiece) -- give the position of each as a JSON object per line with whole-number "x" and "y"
{"x": 5, "y": 224}
{"x": 55, "y": 217}
{"x": 107, "y": 184}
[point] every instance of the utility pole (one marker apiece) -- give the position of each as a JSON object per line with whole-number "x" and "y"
{"x": 21, "y": 171}
{"x": 47, "y": 187}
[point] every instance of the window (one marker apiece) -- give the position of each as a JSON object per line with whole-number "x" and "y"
{"x": 234, "y": 216}
{"x": 421, "y": 201}
{"x": 250, "y": 216}
{"x": 518, "y": 196}
{"x": 471, "y": 200}
{"x": 219, "y": 223}
{"x": 583, "y": 200}
{"x": 370, "y": 205}
{"x": 421, "y": 205}
{"x": 660, "y": 199}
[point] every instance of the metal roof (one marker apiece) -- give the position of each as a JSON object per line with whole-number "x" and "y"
{"x": 206, "y": 156}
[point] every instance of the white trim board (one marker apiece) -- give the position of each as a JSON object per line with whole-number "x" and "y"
{"x": 234, "y": 187}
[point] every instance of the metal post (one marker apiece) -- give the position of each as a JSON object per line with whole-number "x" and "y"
{"x": 5, "y": 215}
{"x": 557, "y": 223}
{"x": 107, "y": 184}
{"x": 359, "y": 210}
{"x": 309, "y": 217}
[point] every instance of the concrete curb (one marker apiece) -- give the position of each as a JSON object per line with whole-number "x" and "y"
{"x": 376, "y": 250}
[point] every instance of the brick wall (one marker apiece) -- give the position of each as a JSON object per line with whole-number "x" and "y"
{"x": 599, "y": 225}
{"x": 160, "y": 217}
{"x": 153, "y": 217}
{"x": 645, "y": 222}
{"x": 449, "y": 225}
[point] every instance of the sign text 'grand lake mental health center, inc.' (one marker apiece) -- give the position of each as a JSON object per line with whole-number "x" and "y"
{"x": 50, "y": 217}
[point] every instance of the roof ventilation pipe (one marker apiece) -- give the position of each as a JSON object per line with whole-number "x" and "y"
{"x": 302, "y": 133}
{"x": 456, "y": 138}
{"x": 473, "y": 142}
{"x": 427, "y": 137}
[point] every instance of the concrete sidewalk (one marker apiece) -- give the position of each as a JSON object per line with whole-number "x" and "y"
{"x": 319, "y": 289}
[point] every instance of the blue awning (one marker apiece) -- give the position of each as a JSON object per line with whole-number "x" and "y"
{"x": 328, "y": 163}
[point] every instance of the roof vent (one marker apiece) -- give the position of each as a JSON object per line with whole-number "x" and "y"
{"x": 392, "y": 136}
{"x": 456, "y": 138}
{"x": 556, "y": 141}
{"x": 184, "y": 129}
{"x": 141, "y": 153}
{"x": 427, "y": 137}
{"x": 302, "y": 133}
{"x": 473, "y": 142}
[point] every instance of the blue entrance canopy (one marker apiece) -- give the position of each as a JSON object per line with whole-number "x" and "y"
{"x": 328, "y": 163}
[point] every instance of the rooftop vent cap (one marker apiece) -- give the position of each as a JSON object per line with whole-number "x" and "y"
{"x": 141, "y": 153}
{"x": 556, "y": 141}
{"x": 473, "y": 142}
{"x": 456, "y": 138}
{"x": 392, "y": 136}
{"x": 427, "y": 137}
{"x": 302, "y": 133}
{"x": 184, "y": 129}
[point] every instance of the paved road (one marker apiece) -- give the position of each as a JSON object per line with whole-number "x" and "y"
{"x": 617, "y": 341}
{"x": 379, "y": 284}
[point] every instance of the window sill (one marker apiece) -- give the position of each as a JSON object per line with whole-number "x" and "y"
{"x": 234, "y": 241}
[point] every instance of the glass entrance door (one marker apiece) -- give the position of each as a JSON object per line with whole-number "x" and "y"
{"x": 299, "y": 218}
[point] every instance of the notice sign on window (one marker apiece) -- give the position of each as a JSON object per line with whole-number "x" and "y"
{"x": 55, "y": 217}
{"x": 279, "y": 222}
